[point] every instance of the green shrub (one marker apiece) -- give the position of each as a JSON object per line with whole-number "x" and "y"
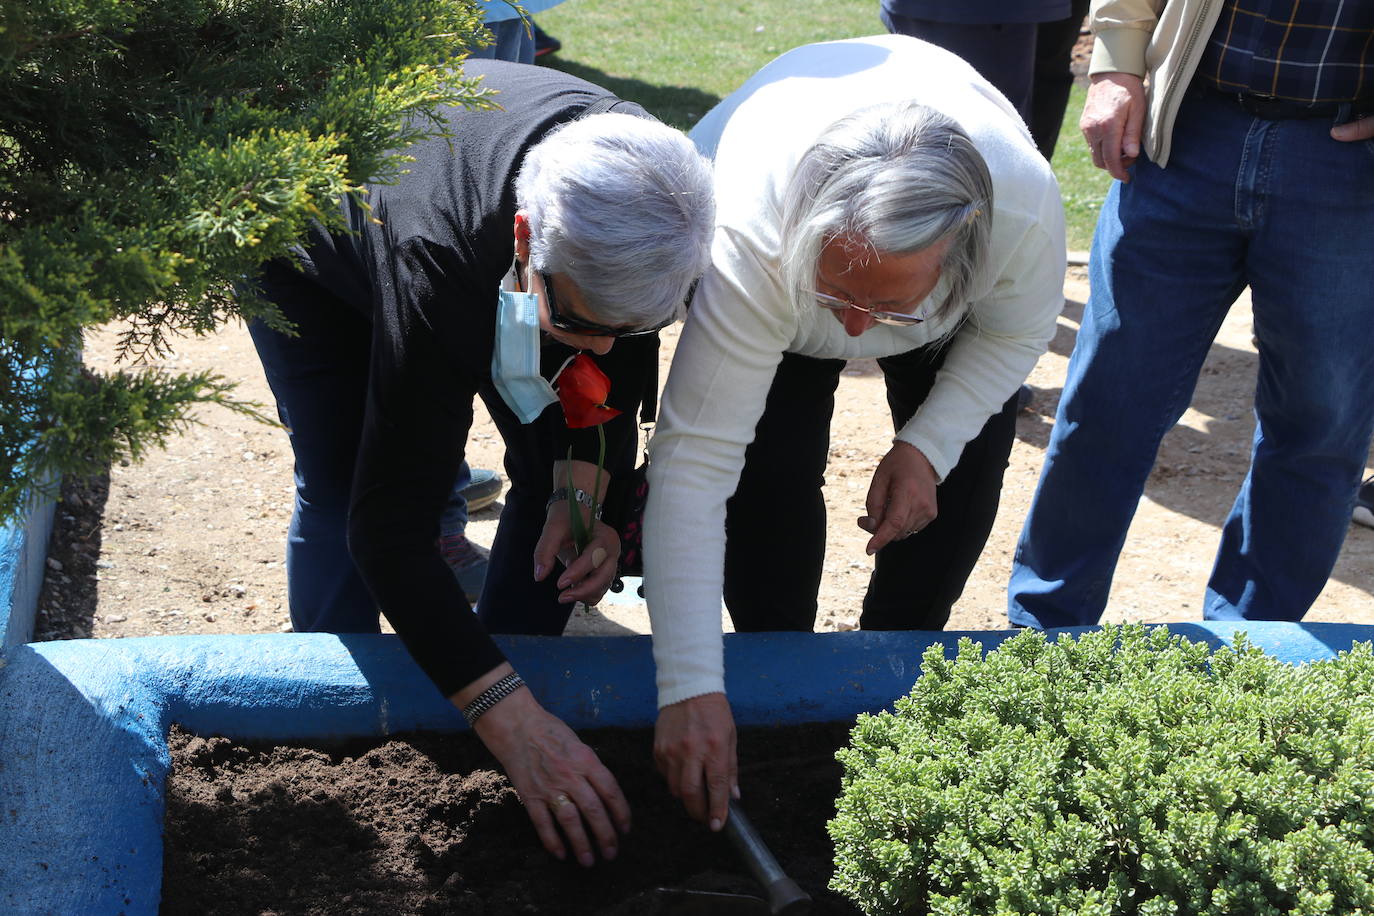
{"x": 1125, "y": 772}
{"x": 153, "y": 152}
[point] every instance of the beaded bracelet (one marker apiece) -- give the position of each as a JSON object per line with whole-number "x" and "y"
{"x": 491, "y": 696}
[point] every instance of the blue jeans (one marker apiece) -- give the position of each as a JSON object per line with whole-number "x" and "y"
{"x": 454, "y": 521}
{"x": 513, "y": 41}
{"x": 1277, "y": 205}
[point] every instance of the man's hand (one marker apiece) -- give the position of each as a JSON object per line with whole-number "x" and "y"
{"x": 1112, "y": 119}
{"x": 565, "y": 788}
{"x": 901, "y": 498}
{"x": 1361, "y": 128}
{"x": 694, "y": 747}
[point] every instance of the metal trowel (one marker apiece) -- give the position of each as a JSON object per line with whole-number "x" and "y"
{"x": 784, "y": 897}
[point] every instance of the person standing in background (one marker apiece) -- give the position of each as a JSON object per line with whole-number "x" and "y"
{"x": 1248, "y": 160}
{"x": 997, "y": 37}
{"x": 1052, "y": 77}
{"x": 515, "y": 38}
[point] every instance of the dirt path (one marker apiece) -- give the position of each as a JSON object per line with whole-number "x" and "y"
{"x": 191, "y": 540}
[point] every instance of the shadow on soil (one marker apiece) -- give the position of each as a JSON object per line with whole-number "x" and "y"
{"x": 67, "y": 601}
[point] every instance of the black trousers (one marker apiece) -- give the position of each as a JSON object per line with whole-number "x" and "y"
{"x": 775, "y": 521}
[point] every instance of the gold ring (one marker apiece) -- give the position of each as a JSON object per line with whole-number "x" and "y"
{"x": 560, "y": 800}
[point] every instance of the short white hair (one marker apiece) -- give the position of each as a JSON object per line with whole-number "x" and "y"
{"x": 625, "y": 207}
{"x": 897, "y": 177}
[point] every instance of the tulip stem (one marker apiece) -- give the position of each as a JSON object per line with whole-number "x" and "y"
{"x": 582, "y": 530}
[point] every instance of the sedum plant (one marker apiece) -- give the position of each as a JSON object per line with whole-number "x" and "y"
{"x": 153, "y": 152}
{"x": 1126, "y": 771}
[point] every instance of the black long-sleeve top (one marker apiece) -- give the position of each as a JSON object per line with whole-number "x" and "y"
{"x": 425, "y": 266}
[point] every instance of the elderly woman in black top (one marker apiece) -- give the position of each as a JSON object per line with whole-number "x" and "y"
{"x": 566, "y": 221}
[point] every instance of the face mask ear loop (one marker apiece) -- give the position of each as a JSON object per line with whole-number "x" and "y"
{"x": 566, "y": 362}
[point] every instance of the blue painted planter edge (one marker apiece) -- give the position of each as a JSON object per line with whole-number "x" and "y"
{"x": 83, "y": 723}
{"x": 23, "y": 553}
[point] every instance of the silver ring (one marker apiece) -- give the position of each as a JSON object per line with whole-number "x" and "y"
{"x": 560, "y": 800}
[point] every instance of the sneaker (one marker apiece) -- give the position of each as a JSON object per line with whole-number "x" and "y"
{"x": 1364, "y": 504}
{"x": 483, "y": 490}
{"x": 544, "y": 43}
{"x": 468, "y": 561}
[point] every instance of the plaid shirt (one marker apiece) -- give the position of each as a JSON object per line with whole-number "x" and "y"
{"x": 1309, "y": 51}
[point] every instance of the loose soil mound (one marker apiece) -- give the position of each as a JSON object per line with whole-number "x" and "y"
{"x": 426, "y": 824}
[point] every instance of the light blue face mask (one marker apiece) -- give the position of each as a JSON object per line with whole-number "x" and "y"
{"x": 515, "y": 356}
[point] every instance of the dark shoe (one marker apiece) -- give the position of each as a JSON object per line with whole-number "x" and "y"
{"x": 544, "y": 43}
{"x": 483, "y": 490}
{"x": 468, "y": 561}
{"x": 1364, "y": 504}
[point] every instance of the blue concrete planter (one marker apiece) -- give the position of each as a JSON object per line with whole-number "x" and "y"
{"x": 83, "y": 723}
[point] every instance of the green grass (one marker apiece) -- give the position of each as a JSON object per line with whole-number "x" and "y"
{"x": 680, "y": 57}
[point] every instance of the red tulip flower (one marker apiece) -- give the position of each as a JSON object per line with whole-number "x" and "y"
{"x": 582, "y": 390}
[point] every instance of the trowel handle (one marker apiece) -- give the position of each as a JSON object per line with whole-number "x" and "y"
{"x": 785, "y": 897}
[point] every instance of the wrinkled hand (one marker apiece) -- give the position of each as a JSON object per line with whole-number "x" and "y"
{"x": 586, "y": 577}
{"x": 1353, "y": 131}
{"x": 1112, "y": 119}
{"x": 901, "y": 498}
{"x": 694, "y": 747}
{"x": 563, "y": 785}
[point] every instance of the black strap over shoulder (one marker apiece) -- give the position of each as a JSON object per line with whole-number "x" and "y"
{"x": 648, "y": 407}
{"x": 610, "y": 103}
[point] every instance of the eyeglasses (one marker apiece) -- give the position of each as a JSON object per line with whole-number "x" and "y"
{"x": 574, "y": 325}
{"x": 897, "y": 319}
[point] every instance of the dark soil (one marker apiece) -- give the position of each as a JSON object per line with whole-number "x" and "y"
{"x": 426, "y": 824}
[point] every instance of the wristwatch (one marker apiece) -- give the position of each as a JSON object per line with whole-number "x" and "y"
{"x": 581, "y": 496}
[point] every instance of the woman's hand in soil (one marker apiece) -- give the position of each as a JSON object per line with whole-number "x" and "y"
{"x": 586, "y": 576}
{"x": 901, "y": 498}
{"x": 560, "y": 780}
{"x": 694, "y": 747}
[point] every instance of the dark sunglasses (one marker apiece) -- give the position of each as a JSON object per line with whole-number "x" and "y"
{"x": 574, "y": 325}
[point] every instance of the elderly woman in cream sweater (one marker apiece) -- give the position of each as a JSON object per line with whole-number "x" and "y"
{"x": 876, "y": 198}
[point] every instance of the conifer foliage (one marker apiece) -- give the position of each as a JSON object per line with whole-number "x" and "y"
{"x": 152, "y": 153}
{"x": 1128, "y": 771}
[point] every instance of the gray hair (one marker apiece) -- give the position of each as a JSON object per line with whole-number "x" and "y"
{"x": 625, "y": 207}
{"x": 898, "y": 177}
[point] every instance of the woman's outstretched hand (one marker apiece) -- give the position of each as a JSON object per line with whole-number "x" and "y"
{"x": 694, "y": 748}
{"x": 901, "y": 498}
{"x": 585, "y": 576}
{"x": 569, "y": 795}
